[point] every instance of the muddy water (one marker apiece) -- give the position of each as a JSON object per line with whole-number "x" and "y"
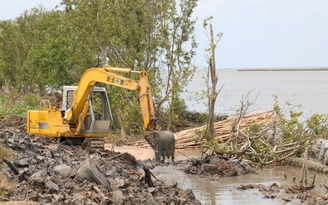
{"x": 223, "y": 191}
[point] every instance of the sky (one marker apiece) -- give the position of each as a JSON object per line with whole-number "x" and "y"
{"x": 256, "y": 33}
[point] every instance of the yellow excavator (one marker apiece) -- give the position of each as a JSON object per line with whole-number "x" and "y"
{"x": 85, "y": 115}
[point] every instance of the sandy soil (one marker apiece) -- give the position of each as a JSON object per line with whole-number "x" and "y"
{"x": 147, "y": 153}
{"x": 139, "y": 152}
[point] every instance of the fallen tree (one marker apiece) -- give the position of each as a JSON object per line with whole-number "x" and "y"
{"x": 262, "y": 138}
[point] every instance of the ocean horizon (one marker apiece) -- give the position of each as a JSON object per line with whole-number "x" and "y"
{"x": 305, "y": 89}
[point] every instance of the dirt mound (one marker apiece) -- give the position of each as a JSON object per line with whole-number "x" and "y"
{"x": 47, "y": 171}
{"x": 14, "y": 121}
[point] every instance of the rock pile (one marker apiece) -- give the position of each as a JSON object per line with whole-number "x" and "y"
{"x": 50, "y": 172}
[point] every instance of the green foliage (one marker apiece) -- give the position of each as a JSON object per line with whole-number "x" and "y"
{"x": 216, "y": 145}
{"x": 125, "y": 105}
{"x": 175, "y": 112}
{"x": 11, "y": 110}
{"x": 292, "y": 129}
{"x": 317, "y": 125}
{"x": 31, "y": 100}
{"x": 35, "y": 52}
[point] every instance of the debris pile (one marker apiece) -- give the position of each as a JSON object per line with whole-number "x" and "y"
{"x": 217, "y": 166}
{"x": 50, "y": 172}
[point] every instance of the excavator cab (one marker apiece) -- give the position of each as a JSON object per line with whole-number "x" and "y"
{"x": 98, "y": 117}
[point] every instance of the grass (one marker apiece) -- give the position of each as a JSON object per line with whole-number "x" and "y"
{"x": 13, "y": 109}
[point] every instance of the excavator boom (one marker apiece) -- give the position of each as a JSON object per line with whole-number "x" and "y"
{"x": 106, "y": 75}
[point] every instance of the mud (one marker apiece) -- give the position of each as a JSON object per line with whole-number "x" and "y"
{"x": 50, "y": 172}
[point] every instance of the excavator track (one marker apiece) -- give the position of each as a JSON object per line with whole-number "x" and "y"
{"x": 94, "y": 144}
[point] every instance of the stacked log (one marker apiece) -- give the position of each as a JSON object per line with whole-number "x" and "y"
{"x": 223, "y": 129}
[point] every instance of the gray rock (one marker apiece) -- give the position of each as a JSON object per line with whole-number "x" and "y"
{"x": 91, "y": 172}
{"x": 37, "y": 179}
{"x": 151, "y": 190}
{"x": 117, "y": 197}
{"x": 68, "y": 160}
{"x": 55, "y": 149}
{"x": 24, "y": 162}
{"x": 78, "y": 199}
{"x": 63, "y": 170}
{"x": 40, "y": 158}
{"x": 51, "y": 186}
{"x": 10, "y": 142}
{"x": 79, "y": 196}
{"x": 119, "y": 182}
{"x": 57, "y": 198}
{"x": 151, "y": 201}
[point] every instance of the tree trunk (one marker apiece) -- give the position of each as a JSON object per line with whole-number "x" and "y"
{"x": 214, "y": 80}
{"x": 120, "y": 121}
{"x": 171, "y": 109}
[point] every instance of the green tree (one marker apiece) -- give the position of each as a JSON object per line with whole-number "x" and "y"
{"x": 13, "y": 53}
{"x": 35, "y": 51}
{"x": 177, "y": 49}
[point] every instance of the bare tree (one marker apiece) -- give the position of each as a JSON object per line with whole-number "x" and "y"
{"x": 214, "y": 79}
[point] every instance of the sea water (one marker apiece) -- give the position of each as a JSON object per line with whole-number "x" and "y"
{"x": 301, "y": 90}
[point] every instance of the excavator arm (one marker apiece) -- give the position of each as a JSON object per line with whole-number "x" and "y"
{"x": 108, "y": 75}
